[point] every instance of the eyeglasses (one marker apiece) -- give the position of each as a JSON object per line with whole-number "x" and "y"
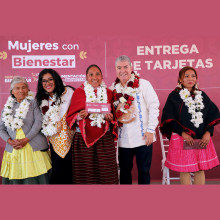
{"x": 44, "y": 82}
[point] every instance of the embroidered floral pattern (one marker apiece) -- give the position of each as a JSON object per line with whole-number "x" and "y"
{"x": 139, "y": 113}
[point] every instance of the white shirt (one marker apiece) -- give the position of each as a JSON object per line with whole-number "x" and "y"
{"x": 147, "y": 106}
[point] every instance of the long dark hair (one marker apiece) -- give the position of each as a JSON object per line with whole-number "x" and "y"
{"x": 59, "y": 87}
{"x": 182, "y": 73}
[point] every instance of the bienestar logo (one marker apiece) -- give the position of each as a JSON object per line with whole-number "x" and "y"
{"x": 43, "y": 61}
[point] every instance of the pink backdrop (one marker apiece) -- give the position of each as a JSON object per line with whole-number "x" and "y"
{"x": 156, "y": 59}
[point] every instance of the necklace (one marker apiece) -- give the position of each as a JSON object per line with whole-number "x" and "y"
{"x": 125, "y": 96}
{"x": 96, "y": 119}
{"x": 16, "y": 122}
{"x": 194, "y": 106}
{"x": 50, "y": 115}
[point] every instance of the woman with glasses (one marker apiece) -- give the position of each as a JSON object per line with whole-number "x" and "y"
{"x": 54, "y": 99}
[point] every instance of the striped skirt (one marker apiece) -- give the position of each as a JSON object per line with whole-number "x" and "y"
{"x": 96, "y": 164}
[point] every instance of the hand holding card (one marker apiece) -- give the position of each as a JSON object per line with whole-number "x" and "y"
{"x": 196, "y": 145}
{"x": 101, "y": 108}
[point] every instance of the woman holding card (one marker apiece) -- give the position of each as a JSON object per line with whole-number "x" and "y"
{"x": 188, "y": 115}
{"x": 94, "y": 154}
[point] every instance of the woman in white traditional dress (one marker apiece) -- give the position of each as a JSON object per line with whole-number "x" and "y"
{"x": 26, "y": 159}
{"x": 54, "y": 99}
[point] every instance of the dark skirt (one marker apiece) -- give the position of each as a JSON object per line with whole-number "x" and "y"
{"x": 42, "y": 179}
{"x": 61, "y": 168}
{"x": 96, "y": 164}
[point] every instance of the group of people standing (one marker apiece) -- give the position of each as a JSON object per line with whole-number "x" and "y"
{"x": 52, "y": 138}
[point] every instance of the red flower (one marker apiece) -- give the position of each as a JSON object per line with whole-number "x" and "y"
{"x": 114, "y": 94}
{"x": 119, "y": 114}
{"x": 126, "y": 96}
{"x": 129, "y": 102}
{"x": 117, "y": 81}
{"x": 126, "y": 106}
{"x": 120, "y": 124}
{"x": 130, "y": 84}
{"x": 45, "y": 109}
{"x": 136, "y": 84}
{"x": 131, "y": 98}
{"x": 119, "y": 95}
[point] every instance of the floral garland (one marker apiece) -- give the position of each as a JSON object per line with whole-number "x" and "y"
{"x": 96, "y": 119}
{"x": 125, "y": 97}
{"x": 50, "y": 115}
{"x": 21, "y": 112}
{"x": 193, "y": 105}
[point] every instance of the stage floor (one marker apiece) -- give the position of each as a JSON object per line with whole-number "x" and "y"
{"x": 135, "y": 182}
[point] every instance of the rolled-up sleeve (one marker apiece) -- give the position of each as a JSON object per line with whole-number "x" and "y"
{"x": 153, "y": 104}
{"x": 37, "y": 125}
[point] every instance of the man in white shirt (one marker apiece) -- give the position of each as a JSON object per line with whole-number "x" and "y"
{"x": 136, "y": 137}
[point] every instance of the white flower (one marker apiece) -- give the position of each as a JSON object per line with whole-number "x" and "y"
{"x": 93, "y": 123}
{"x": 7, "y": 111}
{"x": 191, "y": 110}
{"x": 132, "y": 77}
{"x": 122, "y": 100}
{"x": 31, "y": 94}
{"x": 117, "y": 87}
{"x": 55, "y": 119}
{"x": 184, "y": 93}
{"x": 130, "y": 90}
{"x": 198, "y": 92}
{"x": 44, "y": 103}
{"x": 9, "y": 105}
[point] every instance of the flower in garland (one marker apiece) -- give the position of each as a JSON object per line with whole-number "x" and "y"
{"x": 122, "y": 100}
{"x": 194, "y": 106}
{"x": 184, "y": 93}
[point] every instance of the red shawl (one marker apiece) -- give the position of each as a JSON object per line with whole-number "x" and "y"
{"x": 90, "y": 134}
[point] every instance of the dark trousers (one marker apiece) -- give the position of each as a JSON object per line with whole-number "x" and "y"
{"x": 61, "y": 168}
{"x": 143, "y": 160}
